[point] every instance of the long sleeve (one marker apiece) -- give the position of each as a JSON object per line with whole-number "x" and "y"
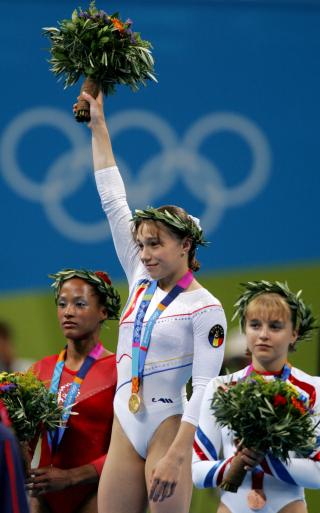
{"x": 114, "y": 203}
{"x": 207, "y": 469}
{"x": 303, "y": 472}
{"x": 208, "y": 355}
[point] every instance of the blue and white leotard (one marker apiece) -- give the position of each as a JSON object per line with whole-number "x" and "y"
{"x": 282, "y": 483}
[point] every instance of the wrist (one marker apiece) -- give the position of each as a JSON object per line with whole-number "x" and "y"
{"x": 82, "y": 475}
{"x": 178, "y": 456}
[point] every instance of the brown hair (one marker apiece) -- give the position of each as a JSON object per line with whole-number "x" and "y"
{"x": 5, "y": 330}
{"x": 193, "y": 263}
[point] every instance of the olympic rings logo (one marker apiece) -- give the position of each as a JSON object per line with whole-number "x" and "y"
{"x": 178, "y": 159}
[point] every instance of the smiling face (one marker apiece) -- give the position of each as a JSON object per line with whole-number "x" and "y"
{"x": 269, "y": 331}
{"x": 80, "y": 313}
{"x": 164, "y": 255}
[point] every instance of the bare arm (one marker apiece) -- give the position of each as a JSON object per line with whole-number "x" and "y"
{"x": 52, "y": 479}
{"x": 112, "y": 191}
{"x": 166, "y": 473}
{"x": 101, "y": 143}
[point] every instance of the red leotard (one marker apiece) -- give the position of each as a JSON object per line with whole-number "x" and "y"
{"x": 87, "y": 436}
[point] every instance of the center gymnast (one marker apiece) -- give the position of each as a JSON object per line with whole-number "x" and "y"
{"x": 170, "y": 329}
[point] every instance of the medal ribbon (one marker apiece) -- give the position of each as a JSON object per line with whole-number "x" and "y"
{"x": 257, "y": 479}
{"x": 132, "y": 300}
{"x": 283, "y": 375}
{"x": 256, "y": 497}
{"x": 55, "y": 437}
{"x": 140, "y": 349}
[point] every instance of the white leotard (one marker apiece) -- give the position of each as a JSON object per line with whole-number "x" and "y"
{"x": 282, "y": 483}
{"x": 180, "y": 344}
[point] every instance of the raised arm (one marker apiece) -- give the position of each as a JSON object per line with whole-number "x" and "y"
{"x": 101, "y": 143}
{"x": 112, "y": 191}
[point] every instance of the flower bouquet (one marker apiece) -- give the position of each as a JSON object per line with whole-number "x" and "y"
{"x": 267, "y": 416}
{"x": 103, "y": 49}
{"x": 29, "y": 404}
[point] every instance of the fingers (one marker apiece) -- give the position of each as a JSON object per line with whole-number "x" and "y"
{"x": 168, "y": 490}
{"x": 153, "y": 489}
{"x": 40, "y": 471}
{"x": 251, "y": 458}
{"x": 161, "y": 490}
{"x": 38, "y": 482}
{"x": 87, "y": 97}
{"x": 36, "y": 488}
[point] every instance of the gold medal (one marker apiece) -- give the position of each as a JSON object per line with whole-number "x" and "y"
{"x": 256, "y": 499}
{"x": 134, "y": 403}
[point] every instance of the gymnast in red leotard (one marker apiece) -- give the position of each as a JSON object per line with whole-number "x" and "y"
{"x": 83, "y": 374}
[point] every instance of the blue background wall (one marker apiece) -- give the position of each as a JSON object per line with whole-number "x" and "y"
{"x": 235, "y": 115}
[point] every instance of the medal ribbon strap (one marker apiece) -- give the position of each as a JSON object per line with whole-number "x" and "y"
{"x": 55, "y": 437}
{"x": 132, "y": 299}
{"x": 139, "y": 350}
{"x": 257, "y": 479}
{"x": 256, "y": 497}
{"x": 137, "y": 329}
{"x": 283, "y": 374}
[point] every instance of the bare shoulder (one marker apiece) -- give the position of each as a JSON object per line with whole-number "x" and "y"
{"x": 194, "y": 285}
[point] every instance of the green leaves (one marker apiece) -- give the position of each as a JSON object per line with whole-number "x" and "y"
{"x": 267, "y": 416}
{"x": 186, "y": 226}
{"x": 305, "y": 319}
{"x": 100, "y": 46}
{"x": 29, "y": 404}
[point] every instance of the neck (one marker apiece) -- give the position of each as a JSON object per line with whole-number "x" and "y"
{"x": 169, "y": 282}
{"x": 77, "y": 350}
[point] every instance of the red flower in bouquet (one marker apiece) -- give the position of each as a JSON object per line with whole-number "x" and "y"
{"x": 279, "y": 400}
{"x": 298, "y": 405}
{"x": 266, "y": 416}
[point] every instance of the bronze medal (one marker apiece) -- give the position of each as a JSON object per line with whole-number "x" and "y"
{"x": 256, "y": 499}
{"x": 134, "y": 403}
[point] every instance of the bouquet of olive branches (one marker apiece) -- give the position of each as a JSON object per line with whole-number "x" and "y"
{"x": 103, "y": 49}
{"x": 29, "y": 404}
{"x": 267, "y": 416}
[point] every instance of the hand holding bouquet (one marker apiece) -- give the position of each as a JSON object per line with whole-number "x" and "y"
{"x": 103, "y": 49}
{"x": 266, "y": 416}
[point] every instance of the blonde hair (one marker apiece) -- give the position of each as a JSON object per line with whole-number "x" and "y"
{"x": 270, "y": 305}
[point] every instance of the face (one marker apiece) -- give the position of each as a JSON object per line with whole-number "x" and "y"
{"x": 79, "y": 313}
{"x": 268, "y": 339}
{"x": 162, "y": 253}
